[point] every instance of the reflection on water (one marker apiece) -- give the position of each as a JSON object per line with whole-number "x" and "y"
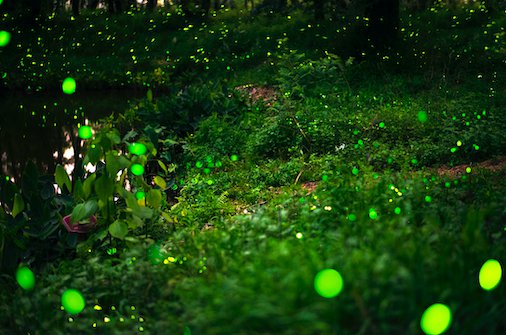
{"x": 42, "y": 127}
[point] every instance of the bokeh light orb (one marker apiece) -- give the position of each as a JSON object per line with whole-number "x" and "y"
{"x": 72, "y": 301}
{"x": 69, "y": 85}
{"x": 139, "y": 195}
{"x": 328, "y": 283}
{"x": 5, "y": 38}
{"x": 422, "y": 116}
{"x": 137, "y": 169}
{"x": 137, "y": 149}
{"x": 85, "y": 132}
{"x": 25, "y": 278}
{"x": 490, "y": 274}
{"x": 436, "y": 319}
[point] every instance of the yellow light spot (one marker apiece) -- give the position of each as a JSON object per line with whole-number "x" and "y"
{"x": 490, "y": 275}
{"x": 106, "y": 319}
{"x": 97, "y": 308}
{"x": 436, "y": 319}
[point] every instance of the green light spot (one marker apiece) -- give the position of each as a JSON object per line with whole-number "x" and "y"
{"x": 25, "y": 278}
{"x": 72, "y": 301}
{"x": 422, "y": 116}
{"x": 354, "y": 171}
{"x": 468, "y": 169}
{"x": 325, "y": 177}
{"x": 234, "y": 158}
{"x": 137, "y": 149}
{"x": 69, "y": 85}
{"x": 84, "y": 132}
{"x": 490, "y": 274}
{"x": 352, "y": 217}
{"x": 199, "y": 164}
{"x": 218, "y": 164}
{"x": 382, "y": 125}
{"x": 207, "y": 170}
{"x": 397, "y": 210}
{"x": 139, "y": 195}
{"x": 328, "y": 283}
{"x": 428, "y": 198}
{"x": 5, "y": 38}
{"x": 372, "y": 214}
{"x": 448, "y": 184}
{"x": 210, "y": 182}
{"x": 414, "y": 161}
{"x": 452, "y": 150}
{"x": 302, "y": 200}
{"x": 436, "y": 319}
{"x": 476, "y": 147}
{"x": 137, "y": 169}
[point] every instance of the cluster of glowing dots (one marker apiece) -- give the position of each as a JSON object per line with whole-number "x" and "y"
{"x": 490, "y": 275}
{"x": 85, "y": 132}
{"x": 72, "y": 301}
{"x": 137, "y": 149}
{"x": 137, "y": 169}
{"x": 69, "y": 85}
{"x": 328, "y": 283}
{"x": 5, "y": 38}
{"x": 25, "y": 278}
{"x": 436, "y": 319}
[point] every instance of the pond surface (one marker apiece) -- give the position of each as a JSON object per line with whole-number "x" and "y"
{"x": 42, "y": 126}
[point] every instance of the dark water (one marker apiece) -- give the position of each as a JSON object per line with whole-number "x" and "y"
{"x": 41, "y": 126}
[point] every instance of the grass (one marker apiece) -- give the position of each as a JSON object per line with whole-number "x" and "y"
{"x": 339, "y": 172}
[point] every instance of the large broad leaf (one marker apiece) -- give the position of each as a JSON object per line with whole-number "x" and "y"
{"x": 154, "y": 198}
{"x": 104, "y": 187}
{"x": 19, "y": 205}
{"x": 118, "y": 229}
{"x": 84, "y": 211}
{"x": 79, "y": 191}
{"x": 160, "y": 182}
{"x": 88, "y": 185}
{"x": 115, "y": 163}
{"x": 62, "y": 178}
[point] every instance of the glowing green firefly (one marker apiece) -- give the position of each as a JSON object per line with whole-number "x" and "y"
{"x": 137, "y": 169}
{"x": 422, "y": 116}
{"x": 137, "y": 149}
{"x": 69, "y": 85}
{"x": 328, "y": 283}
{"x": 84, "y": 132}
{"x": 397, "y": 210}
{"x": 140, "y": 195}
{"x": 72, "y": 301}
{"x": 5, "y": 38}
{"x": 436, "y": 319}
{"x": 490, "y": 275}
{"x": 373, "y": 214}
{"x": 234, "y": 158}
{"x": 352, "y": 217}
{"x": 25, "y": 278}
{"x": 354, "y": 171}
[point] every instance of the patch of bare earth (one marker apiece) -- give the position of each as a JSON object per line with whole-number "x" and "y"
{"x": 493, "y": 165}
{"x": 255, "y": 93}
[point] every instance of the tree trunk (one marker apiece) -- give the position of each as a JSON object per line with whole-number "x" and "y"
{"x": 75, "y": 7}
{"x": 319, "y": 15}
{"x": 151, "y": 5}
{"x": 383, "y": 22}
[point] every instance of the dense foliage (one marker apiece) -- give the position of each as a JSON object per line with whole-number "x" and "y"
{"x": 267, "y": 148}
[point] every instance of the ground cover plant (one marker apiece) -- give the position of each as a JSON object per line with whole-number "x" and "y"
{"x": 284, "y": 173}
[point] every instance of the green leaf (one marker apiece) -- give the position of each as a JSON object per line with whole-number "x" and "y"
{"x": 154, "y": 198}
{"x": 88, "y": 185}
{"x": 115, "y": 163}
{"x": 79, "y": 191}
{"x": 162, "y": 165}
{"x": 104, "y": 187}
{"x": 93, "y": 155}
{"x": 19, "y": 205}
{"x": 62, "y": 178}
{"x": 118, "y": 229}
{"x": 84, "y": 211}
{"x": 160, "y": 182}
